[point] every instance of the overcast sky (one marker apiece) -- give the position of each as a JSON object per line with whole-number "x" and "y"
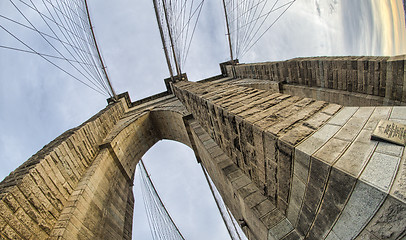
{"x": 39, "y": 102}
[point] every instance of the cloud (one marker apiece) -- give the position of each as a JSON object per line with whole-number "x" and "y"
{"x": 374, "y": 27}
{"x": 390, "y": 25}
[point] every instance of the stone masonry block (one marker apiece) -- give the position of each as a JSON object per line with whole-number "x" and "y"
{"x": 389, "y": 149}
{"x": 398, "y": 112}
{"x": 338, "y": 190}
{"x": 399, "y": 187}
{"x": 343, "y": 115}
{"x": 389, "y": 222}
{"x": 378, "y": 114}
{"x": 293, "y": 213}
{"x": 17, "y": 227}
{"x": 318, "y": 176}
{"x": 3, "y": 223}
{"x": 53, "y": 181}
{"x": 271, "y": 183}
{"x": 355, "y": 124}
{"x": 247, "y": 190}
{"x": 241, "y": 182}
{"x": 10, "y": 233}
{"x": 285, "y": 147}
{"x": 38, "y": 199}
{"x": 296, "y": 199}
{"x": 332, "y": 150}
{"x": 317, "y": 120}
{"x": 51, "y": 193}
{"x": 281, "y": 229}
{"x": 263, "y": 208}
{"x": 380, "y": 171}
{"x": 355, "y": 157}
{"x": 229, "y": 169}
{"x": 254, "y": 199}
{"x": 272, "y": 218}
{"x": 282, "y": 205}
{"x": 360, "y": 208}
{"x": 12, "y": 204}
{"x": 299, "y": 116}
{"x": 301, "y": 165}
{"x": 305, "y": 220}
{"x": 270, "y": 146}
{"x": 269, "y": 115}
{"x": 284, "y": 176}
{"x": 297, "y": 134}
{"x": 318, "y": 139}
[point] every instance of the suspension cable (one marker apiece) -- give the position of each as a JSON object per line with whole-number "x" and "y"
{"x": 228, "y": 31}
{"x": 161, "y": 223}
{"x": 66, "y": 38}
{"x": 247, "y": 21}
{"x": 161, "y": 33}
{"x": 178, "y": 21}
{"x": 98, "y": 52}
{"x": 224, "y": 211}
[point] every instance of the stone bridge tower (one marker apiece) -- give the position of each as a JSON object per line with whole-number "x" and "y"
{"x": 288, "y": 145}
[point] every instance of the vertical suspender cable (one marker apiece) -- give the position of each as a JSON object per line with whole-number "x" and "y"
{"x": 178, "y": 70}
{"x": 217, "y": 203}
{"x": 229, "y": 40}
{"x": 159, "y": 198}
{"x": 228, "y": 32}
{"x": 98, "y": 52}
{"x": 162, "y": 37}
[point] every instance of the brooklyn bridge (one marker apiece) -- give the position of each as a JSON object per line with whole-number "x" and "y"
{"x": 298, "y": 147}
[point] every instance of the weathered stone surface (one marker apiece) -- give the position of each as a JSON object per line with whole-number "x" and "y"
{"x": 353, "y": 160}
{"x": 281, "y": 229}
{"x": 318, "y": 139}
{"x": 337, "y": 192}
{"x": 332, "y": 150}
{"x": 389, "y": 222}
{"x": 291, "y": 167}
{"x": 272, "y": 218}
{"x": 380, "y": 171}
{"x": 364, "y": 202}
{"x": 292, "y": 236}
{"x": 314, "y": 77}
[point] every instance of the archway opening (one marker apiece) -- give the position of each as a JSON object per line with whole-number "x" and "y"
{"x": 183, "y": 188}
